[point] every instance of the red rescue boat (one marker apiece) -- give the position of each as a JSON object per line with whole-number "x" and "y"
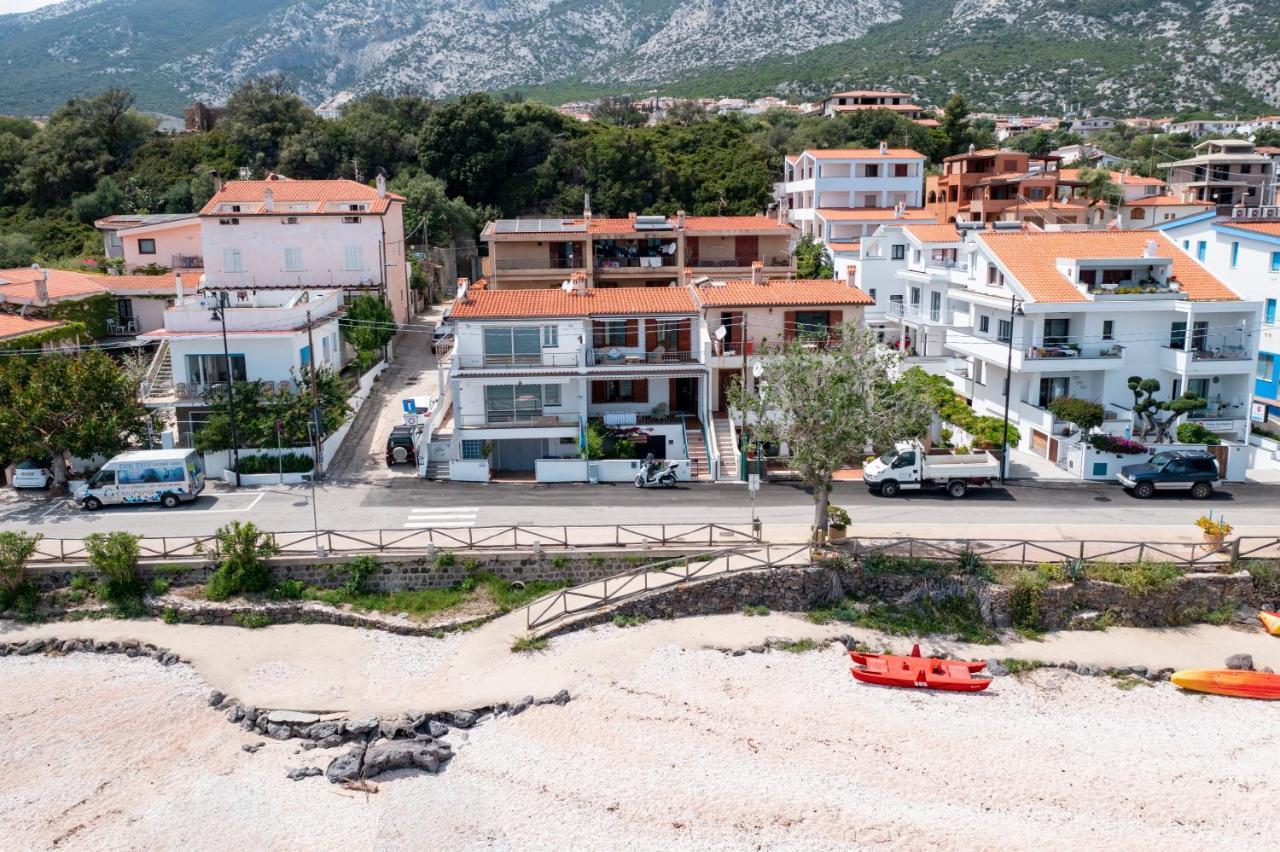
{"x": 920, "y": 672}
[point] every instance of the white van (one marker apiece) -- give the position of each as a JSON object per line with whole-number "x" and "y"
{"x": 168, "y": 477}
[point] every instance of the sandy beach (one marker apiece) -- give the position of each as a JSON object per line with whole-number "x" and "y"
{"x": 678, "y": 746}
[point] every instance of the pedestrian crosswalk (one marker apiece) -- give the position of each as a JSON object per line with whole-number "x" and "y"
{"x": 444, "y": 517}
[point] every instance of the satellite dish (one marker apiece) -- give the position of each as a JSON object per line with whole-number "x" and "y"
{"x": 757, "y": 369}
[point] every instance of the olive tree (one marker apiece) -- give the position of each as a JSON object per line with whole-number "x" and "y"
{"x": 830, "y": 402}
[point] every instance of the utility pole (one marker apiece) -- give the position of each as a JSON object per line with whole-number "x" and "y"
{"x": 318, "y": 442}
{"x": 231, "y": 386}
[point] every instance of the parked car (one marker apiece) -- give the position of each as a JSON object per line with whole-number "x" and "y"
{"x": 908, "y": 466}
{"x": 30, "y": 474}
{"x": 1195, "y": 471}
{"x": 400, "y": 446}
{"x": 443, "y": 329}
{"x": 167, "y": 477}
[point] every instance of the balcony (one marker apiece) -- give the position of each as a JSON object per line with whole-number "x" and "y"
{"x": 1072, "y": 356}
{"x": 921, "y": 316}
{"x": 623, "y": 265}
{"x": 742, "y": 264}
{"x": 613, "y": 357}
{"x": 538, "y": 264}
{"x": 532, "y": 420}
{"x": 186, "y": 261}
{"x": 1207, "y": 359}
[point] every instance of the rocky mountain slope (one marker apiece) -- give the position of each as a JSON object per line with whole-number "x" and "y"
{"x": 1116, "y": 55}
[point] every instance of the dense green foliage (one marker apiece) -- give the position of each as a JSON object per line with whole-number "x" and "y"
{"x": 368, "y": 325}
{"x": 16, "y": 589}
{"x": 1085, "y": 414}
{"x": 279, "y": 419}
{"x": 115, "y": 556}
{"x": 986, "y": 431}
{"x": 241, "y": 551}
{"x": 284, "y": 463}
{"x": 1194, "y": 433}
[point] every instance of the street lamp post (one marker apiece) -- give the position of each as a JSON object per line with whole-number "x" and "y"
{"x": 1008, "y": 380}
{"x": 753, "y": 477}
{"x": 220, "y": 313}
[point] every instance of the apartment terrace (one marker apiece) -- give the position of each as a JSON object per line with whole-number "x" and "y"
{"x": 250, "y": 311}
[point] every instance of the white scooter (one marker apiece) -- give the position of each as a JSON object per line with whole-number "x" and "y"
{"x": 655, "y": 474}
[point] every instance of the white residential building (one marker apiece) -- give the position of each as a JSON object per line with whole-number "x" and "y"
{"x": 1073, "y": 313}
{"x": 307, "y": 233}
{"x": 838, "y": 196}
{"x": 1245, "y": 254}
{"x": 267, "y": 339}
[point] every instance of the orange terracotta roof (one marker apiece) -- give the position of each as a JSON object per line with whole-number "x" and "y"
{"x": 18, "y": 285}
{"x": 859, "y": 153}
{"x": 746, "y": 224}
{"x": 317, "y": 193}
{"x": 1119, "y": 178}
{"x": 12, "y": 325}
{"x": 154, "y": 283}
{"x": 861, "y": 107}
{"x": 928, "y": 122}
{"x": 871, "y": 214}
{"x": 1271, "y": 229}
{"x": 1165, "y": 201}
{"x": 844, "y": 246}
{"x": 985, "y": 152}
{"x": 596, "y": 301}
{"x": 870, "y": 93}
{"x": 782, "y": 291}
{"x": 1269, "y": 150}
{"x": 613, "y": 226}
{"x": 934, "y": 233}
{"x": 1031, "y": 257}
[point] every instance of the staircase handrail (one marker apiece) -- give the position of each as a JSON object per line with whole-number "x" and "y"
{"x": 161, "y": 356}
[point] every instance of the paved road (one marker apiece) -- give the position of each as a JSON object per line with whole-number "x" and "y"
{"x": 404, "y": 502}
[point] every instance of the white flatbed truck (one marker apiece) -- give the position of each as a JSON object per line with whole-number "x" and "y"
{"x": 909, "y": 466}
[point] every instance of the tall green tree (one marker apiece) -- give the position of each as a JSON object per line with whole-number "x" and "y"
{"x": 258, "y": 413}
{"x": 368, "y": 325}
{"x": 955, "y": 124}
{"x": 80, "y": 404}
{"x": 261, "y": 116}
{"x": 831, "y": 405}
{"x": 812, "y": 259}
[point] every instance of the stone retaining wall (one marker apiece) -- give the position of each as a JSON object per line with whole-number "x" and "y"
{"x": 398, "y": 572}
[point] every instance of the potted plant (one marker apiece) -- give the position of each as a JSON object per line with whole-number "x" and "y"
{"x": 837, "y": 524}
{"x": 1214, "y": 531}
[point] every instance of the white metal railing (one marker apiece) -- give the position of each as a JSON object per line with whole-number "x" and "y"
{"x": 151, "y": 386}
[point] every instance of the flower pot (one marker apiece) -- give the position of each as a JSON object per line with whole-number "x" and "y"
{"x": 1214, "y": 538}
{"x": 837, "y": 535}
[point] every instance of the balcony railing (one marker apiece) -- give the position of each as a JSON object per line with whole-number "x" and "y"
{"x": 523, "y": 420}
{"x": 186, "y": 261}
{"x": 1051, "y": 351}
{"x": 617, "y": 358}
{"x": 738, "y": 262}
{"x": 657, "y": 262}
{"x": 509, "y": 263}
{"x": 535, "y": 359}
{"x": 918, "y": 314}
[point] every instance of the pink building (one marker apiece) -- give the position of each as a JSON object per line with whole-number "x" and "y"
{"x": 307, "y": 233}
{"x": 164, "y": 239}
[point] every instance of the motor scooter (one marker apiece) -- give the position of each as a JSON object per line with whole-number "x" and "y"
{"x": 656, "y": 474}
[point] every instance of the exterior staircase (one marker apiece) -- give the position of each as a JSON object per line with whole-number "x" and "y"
{"x": 728, "y": 452}
{"x": 158, "y": 383}
{"x": 700, "y": 467}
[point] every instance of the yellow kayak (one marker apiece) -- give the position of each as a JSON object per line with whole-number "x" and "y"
{"x": 1229, "y": 682}
{"x": 1271, "y": 621}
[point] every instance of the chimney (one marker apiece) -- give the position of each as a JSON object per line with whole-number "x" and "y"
{"x": 381, "y": 183}
{"x": 42, "y": 288}
{"x": 884, "y": 148}
{"x": 680, "y": 220}
{"x": 217, "y": 181}
{"x": 631, "y": 217}
{"x": 757, "y": 272}
{"x": 972, "y": 148}
{"x": 268, "y": 200}
{"x": 686, "y": 275}
{"x": 578, "y": 280}
{"x": 177, "y": 289}
{"x": 586, "y": 207}
{"x": 463, "y": 285}
{"x": 1150, "y": 250}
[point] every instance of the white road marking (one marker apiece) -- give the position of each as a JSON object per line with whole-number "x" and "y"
{"x": 454, "y": 517}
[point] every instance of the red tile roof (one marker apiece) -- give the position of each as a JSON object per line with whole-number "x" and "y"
{"x": 1271, "y": 229}
{"x": 596, "y": 301}
{"x": 318, "y": 193}
{"x": 1031, "y": 257}
{"x": 12, "y": 325}
{"x": 742, "y": 224}
{"x": 934, "y": 233}
{"x": 782, "y": 292}
{"x": 869, "y": 93}
{"x": 154, "y": 283}
{"x": 18, "y": 285}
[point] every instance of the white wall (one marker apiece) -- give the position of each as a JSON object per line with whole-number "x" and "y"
{"x": 270, "y": 357}
{"x": 323, "y": 241}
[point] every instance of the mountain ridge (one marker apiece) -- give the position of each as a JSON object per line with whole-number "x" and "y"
{"x": 1128, "y": 56}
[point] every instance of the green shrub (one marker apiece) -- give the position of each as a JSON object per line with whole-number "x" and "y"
{"x": 445, "y": 559}
{"x": 529, "y": 643}
{"x": 1085, "y": 414}
{"x": 798, "y": 646}
{"x": 955, "y": 615}
{"x": 596, "y": 560}
{"x": 972, "y": 564}
{"x": 559, "y": 562}
{"x": 241, "y": 551}
{"x": 1194, "y": 433}
{"x": 470, "y": 564}
{"x": 115, "y": 556}
{"x": 1266, "y": 578}
{"x": 621, "y": 620}
{"x": 16, "y": 589}
{"x": 355, "y": 574}
{"x": 1021, "y": 667}
{"x": 170, "y": 615}
{"x": 1136, "y": 577}
{"x": 288, "y": 590}
{"x": 158, "y": 587}
{"x": 1026, "y": 600}
{"x": 755, "y": 609}
{"x": 290, "y": 462}
{"x": 252, "y": 620}
{"x": 81, "y": 583}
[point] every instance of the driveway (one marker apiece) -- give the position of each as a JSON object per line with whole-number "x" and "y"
{"x": 412, "y": 372}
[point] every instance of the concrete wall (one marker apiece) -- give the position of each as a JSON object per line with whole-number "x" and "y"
{"x": 178, "y": 238}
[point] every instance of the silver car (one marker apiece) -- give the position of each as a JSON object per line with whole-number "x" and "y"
{"x": 30, "y": 474}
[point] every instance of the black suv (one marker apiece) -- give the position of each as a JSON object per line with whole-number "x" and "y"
{"x": 400, "y": 446}
{"x": 1174, "y": 470}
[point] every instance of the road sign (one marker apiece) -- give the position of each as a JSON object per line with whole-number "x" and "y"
{"x": 411, "y": 420}
{"x": 408, "y": 405}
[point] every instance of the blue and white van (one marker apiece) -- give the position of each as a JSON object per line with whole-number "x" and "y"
{"x": 167, "y": 477}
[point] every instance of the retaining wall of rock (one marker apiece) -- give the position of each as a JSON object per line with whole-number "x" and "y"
{"x": 399, "y": 573}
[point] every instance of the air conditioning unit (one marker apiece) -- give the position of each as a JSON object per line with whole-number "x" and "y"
{"x": 1253, "y": 213}
{"x": 1238, "y": 212}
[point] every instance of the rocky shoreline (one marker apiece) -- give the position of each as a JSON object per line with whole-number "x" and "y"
{"x": 376, "y": 744}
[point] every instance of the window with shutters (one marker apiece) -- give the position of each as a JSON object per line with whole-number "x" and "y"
{"x": 615, "y": 332}
{"x": 354, "y": 259}
{"x": 231, "y": 261}
{"x": 293, "y": 260}
{"x": 521, "y": 344}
